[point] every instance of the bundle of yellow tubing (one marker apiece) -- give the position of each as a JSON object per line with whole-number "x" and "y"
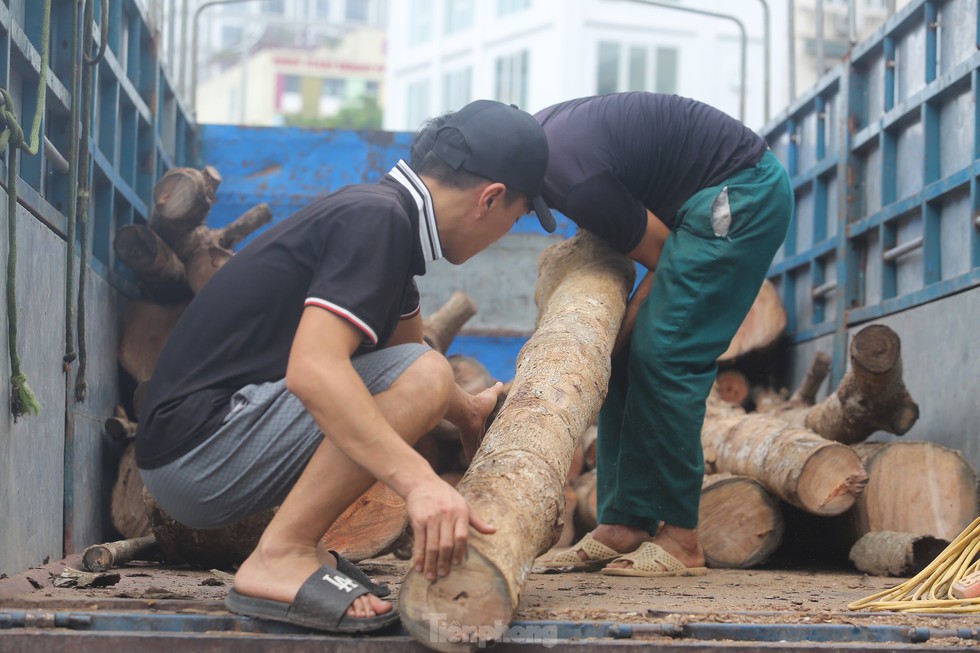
{"x": 929, "y": 590}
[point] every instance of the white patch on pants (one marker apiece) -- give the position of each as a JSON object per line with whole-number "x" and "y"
{"x": 721, "y": 214}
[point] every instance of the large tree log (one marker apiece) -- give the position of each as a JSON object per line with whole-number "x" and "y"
{"x": 762, "y": 327}
{"x": 887, "y": 553}
{"x": 740, "y": 522}
{"x": 126, "y": 509}
{"x": 182, "y": 199}
{"x": 441, "y": 327}
{"x": 369, "y": 526}
{"x": 162, "y": 275}
{"x": 223, "y": 548}
{"x": 915, "y": 487}
{"x": 516, "y": 480}
{"x": 872, "y": 395}
{"x": 797, "y": 465}
{"x": 145, "y": 329}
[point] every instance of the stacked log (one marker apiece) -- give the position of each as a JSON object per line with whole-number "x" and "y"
{"x": 172, "y": 256}
{"x": 517, "y": 478}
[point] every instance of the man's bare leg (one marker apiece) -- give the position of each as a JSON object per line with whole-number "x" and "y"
{"x": 286, "y": 554}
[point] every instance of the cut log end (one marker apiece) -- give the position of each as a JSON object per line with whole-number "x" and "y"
{"x": 369, "y": 526}
{"x": 826, "y": 494}
{"x": 741, "y": 525}
{"x": 876, "y": 348}
{"x": 733, "y": 386}
{"x": 463, "y": 611}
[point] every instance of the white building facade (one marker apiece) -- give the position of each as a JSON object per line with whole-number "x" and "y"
{"x": 534, "y": 53}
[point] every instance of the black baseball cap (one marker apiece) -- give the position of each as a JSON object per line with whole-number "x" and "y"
{"x": 503, "y": 144}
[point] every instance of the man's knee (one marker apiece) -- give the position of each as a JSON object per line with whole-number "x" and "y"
{"x": 431, "y": 376}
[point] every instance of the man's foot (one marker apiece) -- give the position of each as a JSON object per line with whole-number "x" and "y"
{"x": 278, "y": 575}
{"x": 680, "y": 543}
{"x": 596, "y": 549}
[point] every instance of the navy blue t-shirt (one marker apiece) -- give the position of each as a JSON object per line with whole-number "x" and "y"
{"x": 612, "y": 157}
{"x": 354, "y": 252}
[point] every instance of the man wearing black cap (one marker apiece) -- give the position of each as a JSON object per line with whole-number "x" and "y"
{"x": 297, "y": 376}
{"x": 696, "y": 197}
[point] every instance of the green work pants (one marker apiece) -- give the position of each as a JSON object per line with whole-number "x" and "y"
{"x": 649, "y": 458}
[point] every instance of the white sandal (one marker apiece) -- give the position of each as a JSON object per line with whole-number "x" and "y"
{"x": 597, "y": 555}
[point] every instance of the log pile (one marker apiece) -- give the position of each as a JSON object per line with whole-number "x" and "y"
{"x": 172, "y": 256}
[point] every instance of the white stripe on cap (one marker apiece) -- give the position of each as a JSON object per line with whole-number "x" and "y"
{"x": 428, "y": 229}
{"x": 347, "y": 315}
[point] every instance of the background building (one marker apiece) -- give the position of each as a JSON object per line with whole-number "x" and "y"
{"x": 443, "y": 53}
{"x": 294, "y": 62}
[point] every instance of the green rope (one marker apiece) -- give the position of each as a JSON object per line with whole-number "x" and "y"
{"x": 81, "y": 386}
{"x": 22, "y": 400}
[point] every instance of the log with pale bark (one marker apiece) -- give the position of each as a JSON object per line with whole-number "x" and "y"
{"x": 914, "y": 487}
{"x": 797, "y": 465}
{"x": 517, "y": 478}
{"x": 761, "y": 328}
{"x": 871, "y": 397}
{"x": 103, "y": 557}
{"x": 887, "y": 553}
{"x": 440, "y": 328}
{"x": 740, "y": 522}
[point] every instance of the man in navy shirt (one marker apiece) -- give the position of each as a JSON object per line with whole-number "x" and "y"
{"x": 697, "y": 199}
{"x": 297, "y": 376}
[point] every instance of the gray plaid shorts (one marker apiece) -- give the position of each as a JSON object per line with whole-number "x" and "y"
{"x": 259, "y": 451}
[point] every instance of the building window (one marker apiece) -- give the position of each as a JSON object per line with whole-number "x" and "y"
{"x": 290, "y": 96}
{"x": 666, "y": 70}
{"x": 371, "y": 89}
{"x": 607, "y": 72}
{"x": 637, "y": 74}
{"x": 511, "y": 79}
{"x": 333, "y": 92}
{"x": 275, "y": 6}
{"x": 420, "y": 21}
{"x": 459, "y": 15}
{"x": 627, "y": 68}
{"x": 418, "y": 104}
{"x": 505, "y": 7}
{"x": 456, "y": 87}
{"x": 357, "y": 11}
{"x": 322, "y": 9}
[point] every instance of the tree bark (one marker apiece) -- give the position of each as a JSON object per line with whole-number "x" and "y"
{"x": 145, "y": 329}
{"x": 887, "y": 553}
{"x": 126, "y": 509}
{"x": 162, "y": 275}
{"x": 440, "y": 328}
{"x": 872, "y": 396}
{"x": 797, "y": 465}
{"x": 103, "y": 557}
{"x": 740, "y": 522}
{"x": 762, "y": 327}
{"x": 915, "y": 487}
{"x": 517, "y": 478}
{"x": 221, "y": 548}
{"x": 182, "y": 199}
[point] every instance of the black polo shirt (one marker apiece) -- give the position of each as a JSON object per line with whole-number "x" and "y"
{"x": 612, "y": 157}
{"x": 354, "y": 252}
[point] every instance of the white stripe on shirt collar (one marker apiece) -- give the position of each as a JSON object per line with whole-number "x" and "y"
{"x": 428, "y": 230}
